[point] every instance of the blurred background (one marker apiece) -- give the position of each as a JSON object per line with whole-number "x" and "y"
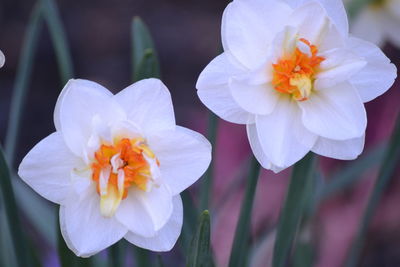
{"x": 187, "y": 37}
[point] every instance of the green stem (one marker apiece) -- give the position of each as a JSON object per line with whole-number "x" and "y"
{"x": 297, "y": 197}
{"x": 386, "y": 172}
{"x": 57, "y": 33}
{"x": 11, "y": 211}
{"x": 207, "y": 181}
{"x": 240, "y": 243}
{"x": 20, "y": 88}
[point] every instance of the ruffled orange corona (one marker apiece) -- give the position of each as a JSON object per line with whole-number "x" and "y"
{"x": 120, "y": 166}
{"x": 294, "y": 74}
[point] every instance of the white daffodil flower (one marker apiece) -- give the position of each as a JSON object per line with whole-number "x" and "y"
{"x": 292, "y": 74}
{"x": 2, "y": 59}
{"x": 116, "y": 164}
{"x": 378, "y": 22}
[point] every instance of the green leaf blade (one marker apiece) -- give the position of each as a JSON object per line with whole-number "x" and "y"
{"x": 145, "y": 61}
{"x": 199, "y": 254}
{"x": 240, "y": 248}
{"x": 293, "y": 210}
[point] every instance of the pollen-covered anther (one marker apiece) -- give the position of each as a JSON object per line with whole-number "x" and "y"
{"x": 126, "y": 163}
{"x": 294, "y": 73}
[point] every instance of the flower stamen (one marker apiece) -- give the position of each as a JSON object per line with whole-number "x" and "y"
{"x": 117, "y": 167}
{"x": 294, "y": 74}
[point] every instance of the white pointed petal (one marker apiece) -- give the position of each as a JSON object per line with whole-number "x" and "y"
{"x": 254, "y": 98}
{"x": 77, "y": 106}
{"x": 335, "y": 113}
{"x": 148, "y": 104}
{"x": 166, "y": 237}
{"x": 282, "y": 136}
{"x": 134, "y": 216}
{"x": 48, "y": 166}
{"x": 2, "y": 59}
{"x": 339, "y": 65}
{"x": 248, "y": 27}
{"x": 184, "y": 156}
{"x": 344, "y": 150}
{"x": 310, "y": 20}
{"x": 157, "y": 203}
{"x": 334, "y": 8}
{"x": 258, "y": 150}
{"x": 369, "y": 26}
{"x": 85, "y": 231}
{"x": 214, "y": 92}
{"x": 379, "y": 74}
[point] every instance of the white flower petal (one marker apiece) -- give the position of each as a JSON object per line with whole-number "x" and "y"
{"x": 184, "y": 156}
{"x": 335, "y": 113}
{"x": 377, "y": 76}
{"x": 78, "y": 104}
{"x": 133, "y": 214}
{"x": 85, "y": 231}
{"x": 157, "y": 203}
{"x": 258, "y": 150}
{"x": 254, "y": 98}
{"x": 148, "y": 104}
{"x": 2, "y": 59}
{"x": 369, "y": 25}
{"x": 282, "y": 136}
{"x": 214, "y": 92}
{"x": 166, "y": 237}
{"x": 338, "y": 66}
{"x": 248, "y": 27}
{"x": 344, "y": 150}
{"x": 310, "y": 20}
{"x": 48, "y": 166}
{"x": 335, "y": 10}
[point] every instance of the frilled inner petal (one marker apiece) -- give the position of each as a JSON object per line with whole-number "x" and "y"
{"x": 118, "y": 166}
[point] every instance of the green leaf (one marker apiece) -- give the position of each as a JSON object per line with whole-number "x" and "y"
{"x": 295, "y": 205}
{"x": 117, "y": 255}
{"x": 142, "y": 257}
{"x": 240, "y": 248}
{"x": 189, "y": 221}
{"x": 57, "y": 34}
{"x": 352, "y": 173}
{"x": 145, "y": 61}
{"x": 199, "y": 254}
{"x": 11, "y": 212}
{"x": 21, "y": 84}
{"x": 388, "y": 167}
{"x": 207, "y": 180}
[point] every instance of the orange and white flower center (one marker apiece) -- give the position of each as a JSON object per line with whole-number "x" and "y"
{"x": 294, "y": 73}
{"x": 117, "y": 167}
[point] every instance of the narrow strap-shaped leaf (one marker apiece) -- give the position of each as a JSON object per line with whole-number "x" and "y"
{"x": 199, "y": 254}
{"x": 293, "y": 210}
{"x": 159, "y": 261}
{"x": 145, "y": 61}
{"x": 207, "y": 180}
{"x": 11, "y": 211}
{"x": 189, "y": 221}
{"x": 57, "y": 33}
{"x": 21, "y": 84}
{"x": 352, "y": 173}
{"x": 116, "y": 255}
{"x": 240, "y": 246}
{"x": 142, "y": 257}
{"x": 388, "y": 167}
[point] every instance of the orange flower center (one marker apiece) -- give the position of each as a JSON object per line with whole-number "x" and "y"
{"x": 120, "y": 166}
{"x": 294, "y": 74}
